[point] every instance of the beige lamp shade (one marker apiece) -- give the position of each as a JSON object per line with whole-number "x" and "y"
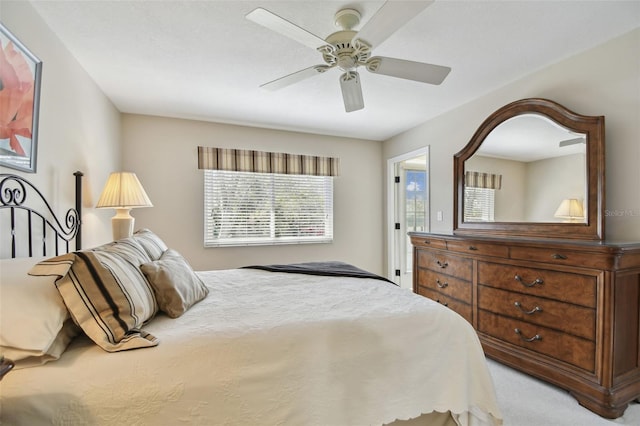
{"x": 123, "y": 189}
{"x": 570, "y": 209}
{"x": 123, "y": 192}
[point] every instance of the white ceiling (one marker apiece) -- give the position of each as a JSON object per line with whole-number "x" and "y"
{"x": 203, "y": 60}
{"x": 543, "y": 139}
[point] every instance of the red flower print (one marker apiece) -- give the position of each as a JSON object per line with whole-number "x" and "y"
{"x": 16, "y": 97}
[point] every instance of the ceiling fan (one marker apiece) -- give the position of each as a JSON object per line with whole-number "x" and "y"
{"x": 348, "y": 49}
{"x": 574, "y": 141}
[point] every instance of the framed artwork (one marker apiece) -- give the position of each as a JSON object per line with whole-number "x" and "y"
{"x": 20, "y": 73}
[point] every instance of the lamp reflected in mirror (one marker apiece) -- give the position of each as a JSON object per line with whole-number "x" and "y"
{"x": 570, "y": 210}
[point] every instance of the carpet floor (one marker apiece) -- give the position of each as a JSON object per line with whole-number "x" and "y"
{"x": 526, "y": 401}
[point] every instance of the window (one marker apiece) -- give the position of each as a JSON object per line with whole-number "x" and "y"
{"x": 415, "y": 209}
{"x": 479, "y": 195}
{"x": 247, "y": 208}
{"x": 478, "y": 204}
{"x": 416, "y": 200}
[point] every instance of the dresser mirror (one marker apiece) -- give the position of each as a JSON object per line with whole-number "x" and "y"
{"x": 532, "y": 169}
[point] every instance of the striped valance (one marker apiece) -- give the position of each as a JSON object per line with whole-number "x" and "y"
{"x": 482, "y": 180}
{"x": 244, "y": 160}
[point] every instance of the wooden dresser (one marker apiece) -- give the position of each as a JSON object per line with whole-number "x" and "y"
{"x": 565, "y": 311}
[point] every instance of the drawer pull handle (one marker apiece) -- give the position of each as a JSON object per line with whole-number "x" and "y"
{"x": 441, "y": 264}
{"x": 559, "y": 256}
{"x": 473, "y": 248}
{"x": 531, "y": 339}
{"x": 531, "y": 284}
{"x": 442, "y": 284}
{"x": 533, "y": 311}
{"x": 443, "y": 304}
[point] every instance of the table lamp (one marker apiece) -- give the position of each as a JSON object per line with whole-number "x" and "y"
{"x": 570, "y": 209}
{"x": 123, "y": 192}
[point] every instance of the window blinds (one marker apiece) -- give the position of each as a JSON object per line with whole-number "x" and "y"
{"x": 247, "y": 208}
{"x": 479, "y": 204}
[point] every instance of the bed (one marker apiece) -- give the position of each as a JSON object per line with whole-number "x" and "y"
{"x": 307, "y": 344}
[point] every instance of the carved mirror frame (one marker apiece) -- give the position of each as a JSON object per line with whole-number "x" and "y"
{"x": 592, "y": 126}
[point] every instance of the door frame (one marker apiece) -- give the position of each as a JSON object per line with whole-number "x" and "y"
{"x": 392, "y": 208}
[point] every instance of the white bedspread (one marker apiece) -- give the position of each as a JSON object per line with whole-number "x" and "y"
{"x": 271, "y": 349}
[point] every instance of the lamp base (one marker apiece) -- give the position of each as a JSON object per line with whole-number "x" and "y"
{"x": 122, "y": 224}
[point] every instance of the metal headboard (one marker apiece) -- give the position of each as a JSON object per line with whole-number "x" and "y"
{"x": 29, "y": 224}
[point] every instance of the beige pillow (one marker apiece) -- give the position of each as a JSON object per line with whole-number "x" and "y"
{"x": 176, "y": 285}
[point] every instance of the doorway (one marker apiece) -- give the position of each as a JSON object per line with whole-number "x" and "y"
{"x": 407, "y": 211}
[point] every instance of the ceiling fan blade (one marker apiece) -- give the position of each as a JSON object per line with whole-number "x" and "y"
{"x": 388, "y": 19}
{"x": 351, "y": 91}
{"x": 280, "y": 25}
{"x": 410, "y": 70}
{"x": 574, "y": 141}
{"x": 296, "y": 77}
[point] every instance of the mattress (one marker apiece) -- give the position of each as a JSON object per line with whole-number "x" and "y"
{"x": 271, "y": 348}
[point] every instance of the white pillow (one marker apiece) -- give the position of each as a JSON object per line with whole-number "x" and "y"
{"x": 32, "y": 315}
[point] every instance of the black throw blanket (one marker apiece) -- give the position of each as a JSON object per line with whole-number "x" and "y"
{"x": 334, "y": 269}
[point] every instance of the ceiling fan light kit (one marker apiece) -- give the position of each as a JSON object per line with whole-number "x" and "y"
{"x": 351, "y": 91}
{"x": 348, "y": 49}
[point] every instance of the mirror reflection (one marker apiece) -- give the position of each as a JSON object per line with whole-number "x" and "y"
{"x": 528, "y": 169}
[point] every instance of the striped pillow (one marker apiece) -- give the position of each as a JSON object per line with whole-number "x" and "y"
{"x": 129, "y": 248}
{"x": 153, "y": 245}
{"x": 106, "y": 293}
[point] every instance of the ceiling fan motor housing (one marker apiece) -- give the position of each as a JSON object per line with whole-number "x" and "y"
{"x": 342, "y": 49}
{"x": 345, "y": 52}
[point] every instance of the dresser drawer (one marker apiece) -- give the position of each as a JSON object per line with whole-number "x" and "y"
{"x": 555, "y": 344}
{"x": 445, "y": 284}
{"x": 485, "y": 249}
{"x": 429, "y": 242}
{"x": 444, "y": 263}
{"x": 576, "y": 320}
{"x": 562, "y": 257}
{"x": 575, "y": 288}
{"x": 461, "y": 308}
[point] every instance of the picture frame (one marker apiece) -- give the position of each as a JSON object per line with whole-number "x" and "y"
{"x": 20, "y": 81}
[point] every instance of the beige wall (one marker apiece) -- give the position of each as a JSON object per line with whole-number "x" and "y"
{"x": 79, "y": 128}
{"x": 602, "y": 81}
{"x": 163, "y": 153}
{"x": 552, "y": 180}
